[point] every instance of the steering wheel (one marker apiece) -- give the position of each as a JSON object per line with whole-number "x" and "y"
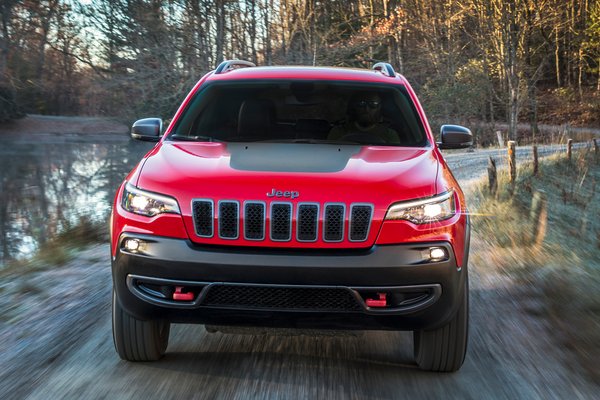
{"x": 363, "y": 138}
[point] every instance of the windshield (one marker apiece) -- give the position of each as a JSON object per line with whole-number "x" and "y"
{"x": 302, "y": 111}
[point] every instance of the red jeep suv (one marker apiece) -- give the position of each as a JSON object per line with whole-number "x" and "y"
{"x": 293, "y": 197}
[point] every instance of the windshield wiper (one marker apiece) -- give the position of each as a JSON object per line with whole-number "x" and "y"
{"x": 197, "y": 138}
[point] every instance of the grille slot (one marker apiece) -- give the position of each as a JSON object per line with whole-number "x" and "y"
{"x": 281, "y": 221}
{"x": 333, "y": 230}
{"x": 360, "y": 222}
{"x": 307, "y": 222}
{"x": 228, "y": 219}
{"x": 282, "y": 298}
{"x": 254, "y": 221}
{"x": 203, "y": 217}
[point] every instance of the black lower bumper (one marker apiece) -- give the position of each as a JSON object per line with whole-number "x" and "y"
{"x": 420, "y": 294}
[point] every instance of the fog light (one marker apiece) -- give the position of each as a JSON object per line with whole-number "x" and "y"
{"x": 437, "y": 254}
{"x": 132, "y": 244}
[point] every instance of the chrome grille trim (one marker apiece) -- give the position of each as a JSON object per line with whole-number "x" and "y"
{"x": 287, "y": 220}
{"x": 352, "y": 224}
{"x": 299, "y": 224}
{"x": 197, "y": 202}
{"x": 327, "y": 222}
{"x": 233, "y": 225}
{"x": 246, "y": 220}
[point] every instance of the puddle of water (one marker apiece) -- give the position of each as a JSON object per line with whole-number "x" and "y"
{"x": 46, "y": 188}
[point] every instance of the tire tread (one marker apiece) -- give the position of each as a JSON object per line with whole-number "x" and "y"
{"x": 444, "y": 349}
{"x": 138, "y": 340}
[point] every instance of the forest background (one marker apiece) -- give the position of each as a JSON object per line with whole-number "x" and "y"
{"x": 482, "y": 63}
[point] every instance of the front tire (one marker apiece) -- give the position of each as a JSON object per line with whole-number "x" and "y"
{"x": 444, "y": 349}
{"x": 138, "y": 340}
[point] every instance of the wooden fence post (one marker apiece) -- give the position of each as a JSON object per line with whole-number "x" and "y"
{"x": 538, "y": 217}
{"x": 569, "y": 149}
{"x": 500, "y": 138}
{"x": 512, "y": 161}
{"x": 492, "y": 176}
{"x": 535, "y": 160}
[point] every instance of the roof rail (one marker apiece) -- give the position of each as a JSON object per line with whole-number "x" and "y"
{"x": 228, "y": 65}
{"x": 385, "y": 68}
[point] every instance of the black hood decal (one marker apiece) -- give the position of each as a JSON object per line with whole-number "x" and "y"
{"x": 290, "y": 157}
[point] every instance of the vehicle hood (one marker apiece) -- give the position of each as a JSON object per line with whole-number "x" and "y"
{"x": 318, "y": 172}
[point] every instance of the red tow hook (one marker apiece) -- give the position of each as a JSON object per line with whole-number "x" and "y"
{"x": 380, "y": 302}
{"x": 179, "y": 295}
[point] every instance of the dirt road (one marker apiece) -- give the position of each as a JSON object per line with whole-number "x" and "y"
{"x": 56, "y": 343}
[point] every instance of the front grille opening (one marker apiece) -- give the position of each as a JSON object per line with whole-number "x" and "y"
{"x": 281, "y": 221}
{"x": 281, "y": 298}
{"x": 360, "y": 220}
{"x": 333, "y": 230}
{"x": 203, "y": 217}
{"x": 228, "y": 219}
{"x": 254, "y": 221}
{"x": 308, "y": 219}
{"x": 302, "y": 222}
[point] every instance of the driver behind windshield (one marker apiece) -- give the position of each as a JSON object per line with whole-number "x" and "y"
{"x": 364, "y": 121}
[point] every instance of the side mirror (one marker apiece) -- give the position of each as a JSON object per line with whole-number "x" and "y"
{"x": 455, "y": 137}
{"x": 147, "y": 129}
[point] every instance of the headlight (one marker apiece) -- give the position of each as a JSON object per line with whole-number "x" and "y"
{"x": 424, "y": 211}
{"x": 146, "y": 203}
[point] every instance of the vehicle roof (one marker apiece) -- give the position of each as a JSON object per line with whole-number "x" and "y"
{"x": 310, "y": 73}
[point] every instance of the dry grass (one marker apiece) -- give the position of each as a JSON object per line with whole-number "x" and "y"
{"x": 555, "y": 252}
{"x": 59, "y": 250}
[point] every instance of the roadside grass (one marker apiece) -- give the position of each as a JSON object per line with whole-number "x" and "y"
{"x": 23, "y": 279}
{"x": 551, "y": 247}
{"x": 60, "y": 249}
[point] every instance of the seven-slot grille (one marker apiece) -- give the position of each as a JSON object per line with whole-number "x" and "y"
{"x": 228, "y": 219}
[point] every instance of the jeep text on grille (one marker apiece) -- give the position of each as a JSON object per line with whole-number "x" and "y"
{"x": 279, "y": 193}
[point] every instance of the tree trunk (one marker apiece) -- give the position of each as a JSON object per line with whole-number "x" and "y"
{"x": 253, "y": 53}
{"x": 4, "y": 221}
{"x": 6, "y": 11}
{"x": 220, "y": 38}
{"x": 513, "y": 76}
{"x": 530, "y": 75}
{"x": 268, "y": 46}
{"x": 557, "y": 57}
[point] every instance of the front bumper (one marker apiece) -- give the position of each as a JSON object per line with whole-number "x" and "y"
{"x": 422, "y": 294}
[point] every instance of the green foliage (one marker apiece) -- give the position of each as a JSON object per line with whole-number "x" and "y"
{"x": 592, "y": 40}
